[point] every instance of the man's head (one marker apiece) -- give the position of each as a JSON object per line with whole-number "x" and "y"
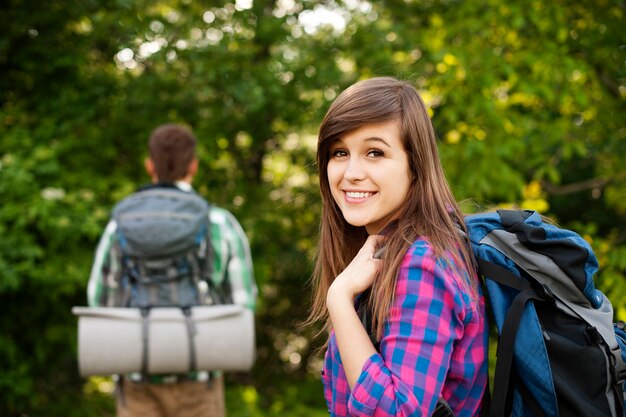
{"x": 172, "y": 154}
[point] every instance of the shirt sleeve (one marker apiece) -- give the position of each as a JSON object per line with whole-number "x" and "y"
{"x": 106, "y": 270}
{"x": 233, "y": 260}
{"x": 426, "y": 317}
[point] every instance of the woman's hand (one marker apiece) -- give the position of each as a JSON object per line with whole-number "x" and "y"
{"x": 359, "y": 274}
{"x": 354, "y": 344}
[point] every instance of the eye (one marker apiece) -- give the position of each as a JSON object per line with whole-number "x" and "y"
{"x": 338, "y": 153}
{"x": 375, "y": 153}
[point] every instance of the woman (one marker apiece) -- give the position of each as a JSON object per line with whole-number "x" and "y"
{"x": 390, "y": 225}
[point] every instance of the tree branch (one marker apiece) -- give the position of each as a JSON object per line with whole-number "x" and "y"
{"x": 591, "y": 184}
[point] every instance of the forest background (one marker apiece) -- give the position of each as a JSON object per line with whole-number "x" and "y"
{"x": 528, "y": 99}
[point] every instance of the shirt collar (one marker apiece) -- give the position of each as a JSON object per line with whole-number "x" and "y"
{"x": 183, "y": 185}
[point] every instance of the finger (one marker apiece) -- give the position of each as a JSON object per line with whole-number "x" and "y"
{"x": 370, "y": 246}
{"x": 372, "y": 241}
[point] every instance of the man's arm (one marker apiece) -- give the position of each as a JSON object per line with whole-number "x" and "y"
{"x": 105, "y": 271}
{"x": 233, "y": 260}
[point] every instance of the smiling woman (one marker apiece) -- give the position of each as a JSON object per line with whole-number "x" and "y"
{"x": 383, "y": 187}
{"x": 369, "y": 175}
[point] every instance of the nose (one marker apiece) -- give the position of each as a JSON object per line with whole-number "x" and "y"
{"x": 355, "y": 171}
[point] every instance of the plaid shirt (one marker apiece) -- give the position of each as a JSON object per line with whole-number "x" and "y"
{"x": 434, "y": 345}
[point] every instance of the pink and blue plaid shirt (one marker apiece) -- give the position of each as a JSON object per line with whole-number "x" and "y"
{"x": 434, "y": 345}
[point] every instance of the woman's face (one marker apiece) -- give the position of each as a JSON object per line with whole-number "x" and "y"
{"x": 369, "y": 176}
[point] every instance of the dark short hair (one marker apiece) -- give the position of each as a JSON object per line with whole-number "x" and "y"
{"x": 172, "y": 148}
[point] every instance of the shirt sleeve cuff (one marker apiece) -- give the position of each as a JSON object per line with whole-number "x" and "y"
{"x": 370, "y": 387}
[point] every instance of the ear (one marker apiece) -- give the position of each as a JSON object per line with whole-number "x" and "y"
{"x": 193, "y": 168}
{"x": 149, "y": 166}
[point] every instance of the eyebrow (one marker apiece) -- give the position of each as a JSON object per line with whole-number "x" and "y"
{"x": 377, "y": 139}
{"x": 369, "y": 139}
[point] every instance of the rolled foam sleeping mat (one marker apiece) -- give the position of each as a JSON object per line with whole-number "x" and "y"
{"x": 110, "y": 339}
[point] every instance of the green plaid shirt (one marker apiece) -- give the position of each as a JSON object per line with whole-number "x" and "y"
{"x": 231, "y": 260}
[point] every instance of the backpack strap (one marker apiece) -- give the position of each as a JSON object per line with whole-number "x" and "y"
{"x": 501, "y": 401}
{"x": 364, "y": 315}
{"x": 191, "y": 332}
{"x": 442, "y": 409}
{"x": 145, "y": 339}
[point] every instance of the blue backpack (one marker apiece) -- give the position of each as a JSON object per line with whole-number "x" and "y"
{"x": 559, "y": 352}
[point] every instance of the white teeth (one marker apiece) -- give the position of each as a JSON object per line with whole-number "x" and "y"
{"x": 353, "y": 194}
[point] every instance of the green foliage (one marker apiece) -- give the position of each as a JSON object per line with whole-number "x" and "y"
{"x": 527, "y": 98}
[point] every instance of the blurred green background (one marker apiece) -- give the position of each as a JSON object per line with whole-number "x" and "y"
{"x": 528, "y": 99}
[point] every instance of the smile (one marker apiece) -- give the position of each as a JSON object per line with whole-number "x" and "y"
{"x": 358, "y": 194}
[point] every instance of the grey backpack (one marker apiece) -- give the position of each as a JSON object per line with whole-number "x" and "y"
{"x": 165, "y": 255}
{"x": 163, "y": 234}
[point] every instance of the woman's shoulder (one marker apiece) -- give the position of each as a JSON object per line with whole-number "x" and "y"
{"x": 439, "y": 269}
{"x": 421, "y": 248}
{"x": 420, "y": 257}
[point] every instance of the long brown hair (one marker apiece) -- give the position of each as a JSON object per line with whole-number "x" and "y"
{"x": 430, "y": 209}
